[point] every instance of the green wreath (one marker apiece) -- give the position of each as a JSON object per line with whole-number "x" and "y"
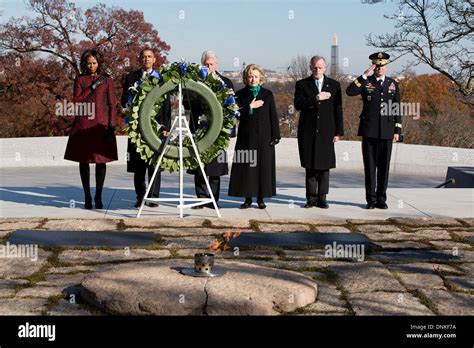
{"x": 148, "y": 96}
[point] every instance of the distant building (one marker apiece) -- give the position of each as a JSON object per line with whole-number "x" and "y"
{"x": 334, "y": 70}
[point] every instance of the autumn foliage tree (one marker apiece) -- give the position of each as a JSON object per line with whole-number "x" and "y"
{"x": 444, "y": 120}
{"x": 30, "y": 87}
{"x": 40, "y": 57}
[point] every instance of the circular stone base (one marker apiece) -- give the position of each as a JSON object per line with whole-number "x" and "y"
{"x": 158, "y": 288}
{"x": 191, "y": 271}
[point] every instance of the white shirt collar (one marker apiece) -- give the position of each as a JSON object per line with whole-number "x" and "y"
{"x": 320, "y": 80}
{"x": 146, "y": 72}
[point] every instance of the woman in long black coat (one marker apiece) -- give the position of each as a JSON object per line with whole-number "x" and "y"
{"x": 92, "y": 138}
{"x": 253, "y": 166}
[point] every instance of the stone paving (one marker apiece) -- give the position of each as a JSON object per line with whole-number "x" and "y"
{"x": 419, "y": 266}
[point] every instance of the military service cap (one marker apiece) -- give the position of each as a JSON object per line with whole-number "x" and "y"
{"x": 379, "y": 58}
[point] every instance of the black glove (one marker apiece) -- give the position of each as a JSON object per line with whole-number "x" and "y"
{"x": 274, "y": 142}
{"x": 98, "y": 82}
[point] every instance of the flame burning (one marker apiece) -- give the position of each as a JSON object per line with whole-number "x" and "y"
{"x": 222, "y": 243}
{"x": 215, "y": 245}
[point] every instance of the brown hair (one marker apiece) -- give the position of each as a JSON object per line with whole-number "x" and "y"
{"x": 97, "y": 56}
{"x": 247, "y": 71}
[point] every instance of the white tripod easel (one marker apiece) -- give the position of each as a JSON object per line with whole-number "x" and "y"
{"x": 182, "y": 126}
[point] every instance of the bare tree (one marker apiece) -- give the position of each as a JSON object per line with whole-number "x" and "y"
{"x": 435, "y": 32}
{"x": 299, "y": 67}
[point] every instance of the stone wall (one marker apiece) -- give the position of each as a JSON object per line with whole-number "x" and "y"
{"x": 406, "y": 158}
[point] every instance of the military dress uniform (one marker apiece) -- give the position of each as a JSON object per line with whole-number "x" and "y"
{"x": 377, "y": 126}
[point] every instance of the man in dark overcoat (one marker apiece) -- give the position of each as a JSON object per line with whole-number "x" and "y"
{"x": 135, "y": 164}
{"x": 319, "y": 100}
{"x": 217, "y": 167}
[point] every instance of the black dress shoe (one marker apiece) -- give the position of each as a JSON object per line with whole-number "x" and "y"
{"x": 322, "y": 205}
{"x": 309, "y": 204}
{"x": 246, "y": 205}
{"x": 88, "y": 203}
{"x": 198, "y": 207}
{"x": 370, "y": 206}
{"x": 261, "y": 205}
{"x": 211, "y": 205}
{"x": 138, "y": 204}
{"x": 151, "y": 204}
{"x": 381, "y": 205}
{"x": 98, "y": 202}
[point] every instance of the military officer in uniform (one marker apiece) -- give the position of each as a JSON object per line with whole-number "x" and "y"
{"x": 380, "y": 126}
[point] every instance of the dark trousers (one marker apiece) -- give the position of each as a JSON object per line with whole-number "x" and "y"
{"x": 376, "y": 154}
{"x": 140, "y": 185}
{"x": 317, "y": 184}
{"x": 201, "y": 189}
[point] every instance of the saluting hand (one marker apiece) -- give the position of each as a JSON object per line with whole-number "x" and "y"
{"x": 255, "y": 104}
{"x": 369, "y": 71}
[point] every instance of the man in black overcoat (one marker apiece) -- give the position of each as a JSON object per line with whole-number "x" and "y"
{"x": 380, "y": 126}
{"x": 217, "y": 167}
{"x": 134, "y": 162}
{"x": 319, "y": 100}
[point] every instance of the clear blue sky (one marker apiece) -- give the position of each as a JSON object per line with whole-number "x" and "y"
{"x": 266, "y": 32}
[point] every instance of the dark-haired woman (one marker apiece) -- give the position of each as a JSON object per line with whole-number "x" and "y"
{"x": 92, "y": 138}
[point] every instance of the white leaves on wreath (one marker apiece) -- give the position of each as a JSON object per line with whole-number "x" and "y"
{"x": 202, "y": 119}
{"x": 134, "y": 87}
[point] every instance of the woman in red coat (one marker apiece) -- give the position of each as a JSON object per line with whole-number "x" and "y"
{"x": 92, "y": 138}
